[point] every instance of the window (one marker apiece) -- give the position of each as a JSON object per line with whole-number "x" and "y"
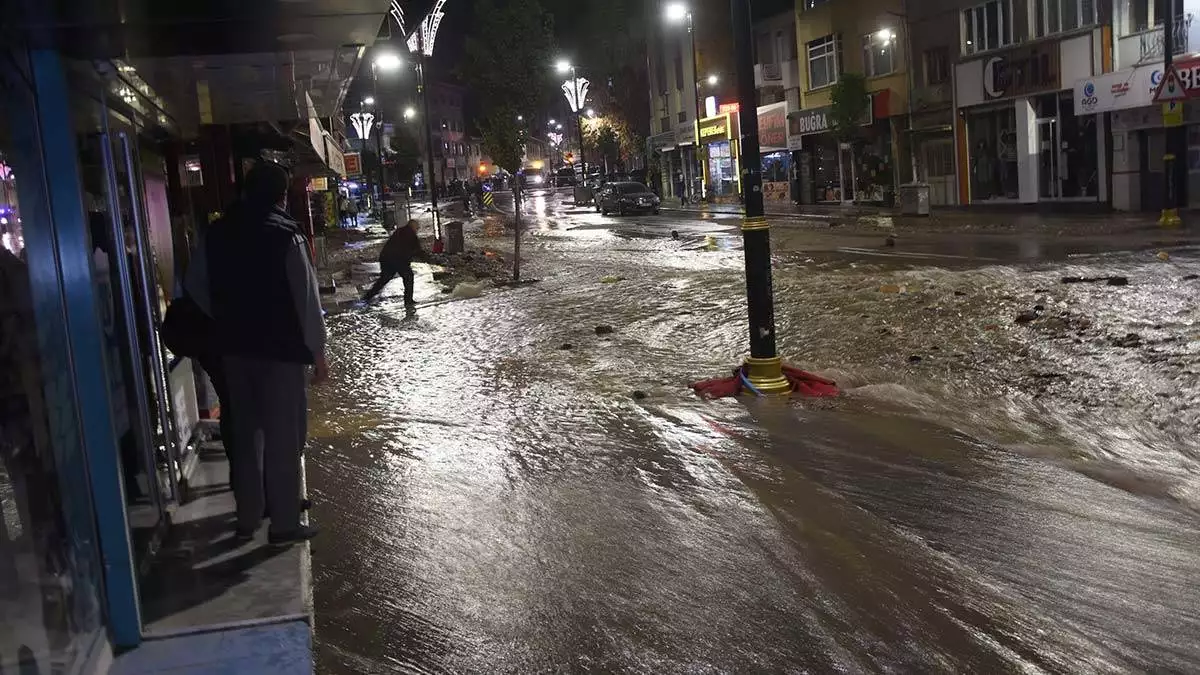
{"x": 1135, "y": 16}
{"x": 664, "y": 124}
{"x": 822, "y": 62}
{"x": 1053, "y": 16}
{"x": 937, "y": 65}
{"x": 987, "y": 26}
{"x": 682, "y": 116}
{"x": 678, "y": 71}
{"x": 878, "y": 50}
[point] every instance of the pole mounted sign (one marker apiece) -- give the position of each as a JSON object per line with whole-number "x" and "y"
{"x": 1171, "y": 88}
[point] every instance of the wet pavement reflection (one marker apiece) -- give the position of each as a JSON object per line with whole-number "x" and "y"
{"x": 491, "y": 501}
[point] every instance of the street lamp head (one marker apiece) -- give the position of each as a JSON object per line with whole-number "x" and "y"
{"x": 713, "y": 80}
{"x": 591, "y": 113}
{"x": 885, "y": 35}
{"x": 410, "y": 112}
{"x": 558, "y": 126}
{"x": 520, "y": 118}
{"x": 563, "y": 66}
{"x": 677, "y": 11}
{"x": 388, "y": 62}
{"x": 551, "y": 122}
{"x": 370, "y": 100}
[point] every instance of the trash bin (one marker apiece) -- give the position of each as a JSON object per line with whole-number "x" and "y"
{"x": 583, "y": 195}
{"x": 454, "y": 236}
{"x": 389, "y": 220}
{"x": 914, "y": 199}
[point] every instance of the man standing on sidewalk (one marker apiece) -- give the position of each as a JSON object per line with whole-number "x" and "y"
{"x": 269, "y": 325}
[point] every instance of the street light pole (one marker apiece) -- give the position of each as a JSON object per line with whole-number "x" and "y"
{"x": 381, "y": 175}
{"x": 696, "y": 97}
{"x": 579, "y": 122}
{"x": 1176, "y": 136}
{"x": 763, "y": 367}
{"x": 430, "y": 186}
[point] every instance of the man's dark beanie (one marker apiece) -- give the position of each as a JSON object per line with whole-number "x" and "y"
{"x": 266, "y": 183}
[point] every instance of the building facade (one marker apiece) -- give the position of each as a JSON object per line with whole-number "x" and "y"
{"x": 842, "y": 36}
{"x": 1123, "y": 102}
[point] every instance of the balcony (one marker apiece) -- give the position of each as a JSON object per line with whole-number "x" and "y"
{"x": 1146, "y": 46}
{"x": 785, "y": 75}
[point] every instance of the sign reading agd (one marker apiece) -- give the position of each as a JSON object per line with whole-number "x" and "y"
{"x": 1122, "y": 90}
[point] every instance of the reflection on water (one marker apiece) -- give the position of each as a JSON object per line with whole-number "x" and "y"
{"x": 492, "y": 502}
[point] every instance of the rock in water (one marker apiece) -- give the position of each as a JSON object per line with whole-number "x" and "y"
{"x": 604, "y": 330}
{"x": 639, "y": 395}
{"x": 466, "y": 290}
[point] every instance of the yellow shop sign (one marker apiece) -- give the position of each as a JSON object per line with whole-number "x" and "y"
{"x": 714, "y": 128}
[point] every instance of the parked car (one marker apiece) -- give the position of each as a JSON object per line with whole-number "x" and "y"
{"x": 626, "y": 197}
{"x": 565, "y": 177}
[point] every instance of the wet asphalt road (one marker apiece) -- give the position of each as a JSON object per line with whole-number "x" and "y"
{"x": 1015, "y": 499}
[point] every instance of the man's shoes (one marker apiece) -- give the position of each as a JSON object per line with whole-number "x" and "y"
{"x": 244, "y": 536}
{"x": 302, "y": 533}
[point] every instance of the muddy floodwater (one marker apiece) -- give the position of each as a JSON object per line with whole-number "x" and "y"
{"x": 988, "y": 496}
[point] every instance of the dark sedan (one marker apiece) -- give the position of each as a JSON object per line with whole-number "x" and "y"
{"x": 626, "y": 197}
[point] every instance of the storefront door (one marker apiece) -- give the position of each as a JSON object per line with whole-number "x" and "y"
{"x": 126, "y": 283}
{"x": 1049, "y": 184}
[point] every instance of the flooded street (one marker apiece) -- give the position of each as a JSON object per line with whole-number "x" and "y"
{"x": 989, "y": 495}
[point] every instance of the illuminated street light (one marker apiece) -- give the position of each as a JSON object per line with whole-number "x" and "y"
{"x": 520, "y": 118}
{"x": 677, "y": 11}
{"x": 551, "y": 123}
{"x": 558, "y": 126}
{"x": 713, "y": 80}
{"x": 410, "y": 112}
{"x": 370, "y": 100}
{"x": 563, "y": 66}
{"x": 388, "y": 62}
{"x": 591, "y": 113}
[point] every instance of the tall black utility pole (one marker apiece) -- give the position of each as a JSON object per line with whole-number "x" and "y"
{"x": 430, "y": 185}
{"x": 763, "y": 367}
{"x": 379, "y": 136}
{"x": 1176, "y": 136}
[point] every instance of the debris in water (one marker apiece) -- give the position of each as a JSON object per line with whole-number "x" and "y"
{"x": 1039, "y": 308}
{"x": 960, "y": 293}
{"x": 466, "y": 290}
{"x": 890, "y": 242}
{"x": 566, "y": 345}
{"x": 639, "y": 395}
{"x": 1027, "y": 316}
{"x": 1118, "y": 281}
{"x": 1130, "y": 340}
{"x": 1191, "y": 277}
{"x": 914, "y": 359}
{"x": 1163, "y": 255}
{"x": 891, "y": 288}
{"x": 611, "y": 279}
{"x": 674, "y": 234}
{"x": 604, "y": 330}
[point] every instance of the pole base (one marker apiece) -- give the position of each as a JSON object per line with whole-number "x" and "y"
{"x": 1170, "y": 218}
{"x": 767, "y": 376}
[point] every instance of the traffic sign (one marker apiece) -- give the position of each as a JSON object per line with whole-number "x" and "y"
{"x": 1171, "y": 88}
{"x": 1172, "y": 114}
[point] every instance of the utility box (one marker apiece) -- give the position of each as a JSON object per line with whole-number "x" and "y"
{"x": 454, "y": 237}
{"x": 914, "y": 199}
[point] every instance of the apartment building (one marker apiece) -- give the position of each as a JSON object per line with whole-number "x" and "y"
{"x": 777, "y": 81}
{"x": 836, "y": 37}
{"x": 929, "y": 154}
{"x": 1123, "y": 100}
{"x": 690, "y": 60}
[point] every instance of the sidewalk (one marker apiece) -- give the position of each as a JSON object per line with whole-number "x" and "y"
{"x": 213, "y": 605}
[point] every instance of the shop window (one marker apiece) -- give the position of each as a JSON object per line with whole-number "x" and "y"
{"x": 682, "y": 116}
{"x": 993, "y": 154}
{"x": 50, "y": 569}
{"x": 822, "y": 62}
{"x": 937, "y": 66}
{"x": 879, "y": 50}
{"x": 987, "y": 26}
{"x": 1054, "y": 16}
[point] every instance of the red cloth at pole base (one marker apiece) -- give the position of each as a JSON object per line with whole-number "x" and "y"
{"x": 803, "y": 383}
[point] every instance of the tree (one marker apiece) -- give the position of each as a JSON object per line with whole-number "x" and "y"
{"x": 850, "y": 105}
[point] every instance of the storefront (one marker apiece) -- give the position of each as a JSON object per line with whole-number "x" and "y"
{"x": 688, "y": 166}
{"x": 663, "y": 146}
{"x": 819, "y": 164}
{"x": 1135, "y": 123}
{"x": 1020, "y": 140}
{"x": 776, "y": 158}
{"x": 718, "y": 140}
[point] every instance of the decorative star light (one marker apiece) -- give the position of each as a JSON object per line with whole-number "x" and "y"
{"x": 426, "y": 33}
{"x": 555, "y": 138}
{"x": 571, "y": 88}
{"x": 362, "y": 122}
